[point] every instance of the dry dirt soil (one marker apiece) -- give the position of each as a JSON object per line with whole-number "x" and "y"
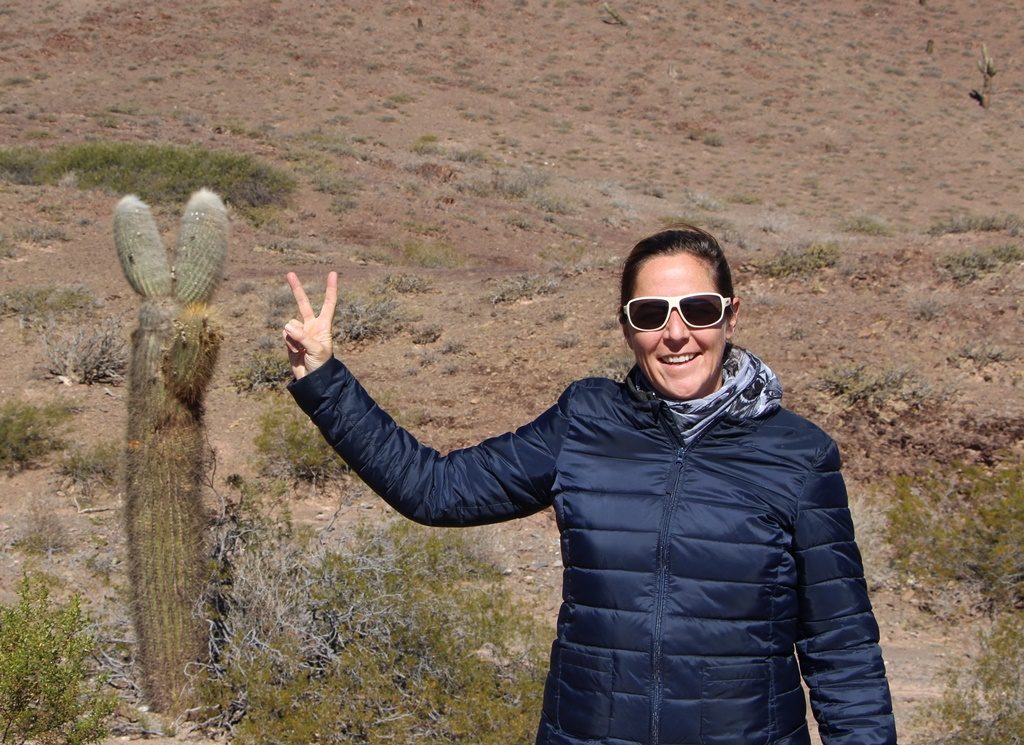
{"x": 541, "y": 139}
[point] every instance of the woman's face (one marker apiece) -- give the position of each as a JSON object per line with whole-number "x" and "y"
{"x": 681, "y": 363}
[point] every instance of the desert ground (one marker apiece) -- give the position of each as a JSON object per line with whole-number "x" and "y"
{"x": 509, "y": 154}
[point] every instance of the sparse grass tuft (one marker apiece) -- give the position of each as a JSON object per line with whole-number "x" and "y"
{"x": 509, "y": 184}
{"x": 403, "y": 284}
{"x": 156, "y": 173}
{"x": 926, "y": 309}
{"x": 39, "y": 234}
{"x": 865, "y": 225}
{"x": 803, "y": 261}
{"x": 7, "y": 250}
{"x": 426, "y": 334}
{"x": 343, "y": 190}
{"x": 43, "y": 533}
{"x": 437, "y": 254}
{"x": 426, "y": 145}
{"x": 34, "y": 304}
{"x": 522, "y": 287}
{"x": 983, "y": 354}
{"x": 92, "y": 468}
{"x": 28, "y": 433}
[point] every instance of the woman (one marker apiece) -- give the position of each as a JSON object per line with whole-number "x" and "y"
{"x": 706, "y": 541}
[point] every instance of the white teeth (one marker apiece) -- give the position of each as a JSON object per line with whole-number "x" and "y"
{"x": 678, "y": 358}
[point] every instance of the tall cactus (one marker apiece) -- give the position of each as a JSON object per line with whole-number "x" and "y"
{"x": 988, "y": 71}
{"x": 174, "y": 349}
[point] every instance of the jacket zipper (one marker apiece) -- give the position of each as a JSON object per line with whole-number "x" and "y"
{"x": 660, "y": 595}
{"x": 664, "y": 546}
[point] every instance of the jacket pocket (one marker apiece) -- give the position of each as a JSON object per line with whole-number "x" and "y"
{"x": 584, "y": 701}
{"x": 735, "y": 704}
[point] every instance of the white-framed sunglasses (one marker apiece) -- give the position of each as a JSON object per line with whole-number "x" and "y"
{"x": 699, "y": 310}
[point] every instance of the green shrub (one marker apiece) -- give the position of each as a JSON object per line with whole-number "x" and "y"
{"x": 984, "y": 703}
{"x": 522, "y": 287}
{"x": 615, "y": 367}
{"x": 960, "y": 531}
{"x": 28, "y": 432}
{"x": 403, "y": 635}
{"x": 34, "y": 304}
{"x": 966, "y": 266}
{"x": 426, "y": 145}
{"x": 265, "y": 370}
{"x": 865, "y": 225}
{"x": 869, "y": 389}
{"x": 509, "y": 184}
{"x": 803, "y": 261}
{"x": 93, "y": 467}
{"x": 426, "y": 334}
{"x": 46, "y": 695}
{"x": 362, "y": 320}
{"x": 432, "y": 254}
{"x": 7, "y": 249}
{"x": 290, "y": 446}
{"x": 156, "y": 173}
{"x": 20, "y": 165}
{"x": 97, "y": 353}
{"x": 43, "y": 533}
{"x": 1011, "y": 224}
{"x": 403, "y": 284}
{"x": 982, "y": 353}
{"x": 39, "y": 234}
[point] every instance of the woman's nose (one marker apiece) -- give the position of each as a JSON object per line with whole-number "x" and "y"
{"x": 676, "y": 328}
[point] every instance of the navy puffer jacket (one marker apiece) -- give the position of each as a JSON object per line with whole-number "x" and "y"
{"x": 694, "y": 577}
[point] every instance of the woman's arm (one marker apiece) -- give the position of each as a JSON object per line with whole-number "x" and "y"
{"x": 501, "y": 478}
{"x": 838, "y": 637}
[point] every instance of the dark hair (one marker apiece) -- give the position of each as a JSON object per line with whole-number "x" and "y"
{"x": 687, "y": 239}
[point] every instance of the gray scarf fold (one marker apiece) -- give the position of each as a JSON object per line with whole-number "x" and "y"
{"x": 749, "y": 389}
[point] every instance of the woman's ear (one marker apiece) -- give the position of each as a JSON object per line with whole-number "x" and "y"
{"x": 625, "y": 333}
{"x": 730, "y": 324}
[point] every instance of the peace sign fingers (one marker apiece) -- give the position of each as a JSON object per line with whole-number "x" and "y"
{"x": 310, "y": 341}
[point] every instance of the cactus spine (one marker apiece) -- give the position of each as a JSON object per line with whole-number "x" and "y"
{"x": 174, "y": 349}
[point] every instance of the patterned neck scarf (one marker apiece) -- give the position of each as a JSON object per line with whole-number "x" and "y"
{"x": 749, "y": 389}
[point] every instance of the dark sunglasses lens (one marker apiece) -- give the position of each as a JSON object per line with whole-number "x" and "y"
{"x": 702, "y": 311}
{"x": 648, "y": 314}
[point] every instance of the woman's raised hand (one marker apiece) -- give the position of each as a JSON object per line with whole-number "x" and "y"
{"x": 309, "y": 340}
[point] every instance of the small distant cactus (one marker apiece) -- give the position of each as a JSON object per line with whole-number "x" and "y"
{"x": 173, "y": 352}
{"x": 988, "y": 71}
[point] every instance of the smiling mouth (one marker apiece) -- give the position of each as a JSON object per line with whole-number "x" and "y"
{"x": 677, "y": 359}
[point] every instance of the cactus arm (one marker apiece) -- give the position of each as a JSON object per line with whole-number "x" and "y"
{"x": 188, "y": 366}
{"x": 202, "y": 246}
{"x": 140, "y": 250}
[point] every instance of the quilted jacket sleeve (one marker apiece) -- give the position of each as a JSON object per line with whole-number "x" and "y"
{"x": 499, "y": 479}
{"x": 838, "y": 637}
